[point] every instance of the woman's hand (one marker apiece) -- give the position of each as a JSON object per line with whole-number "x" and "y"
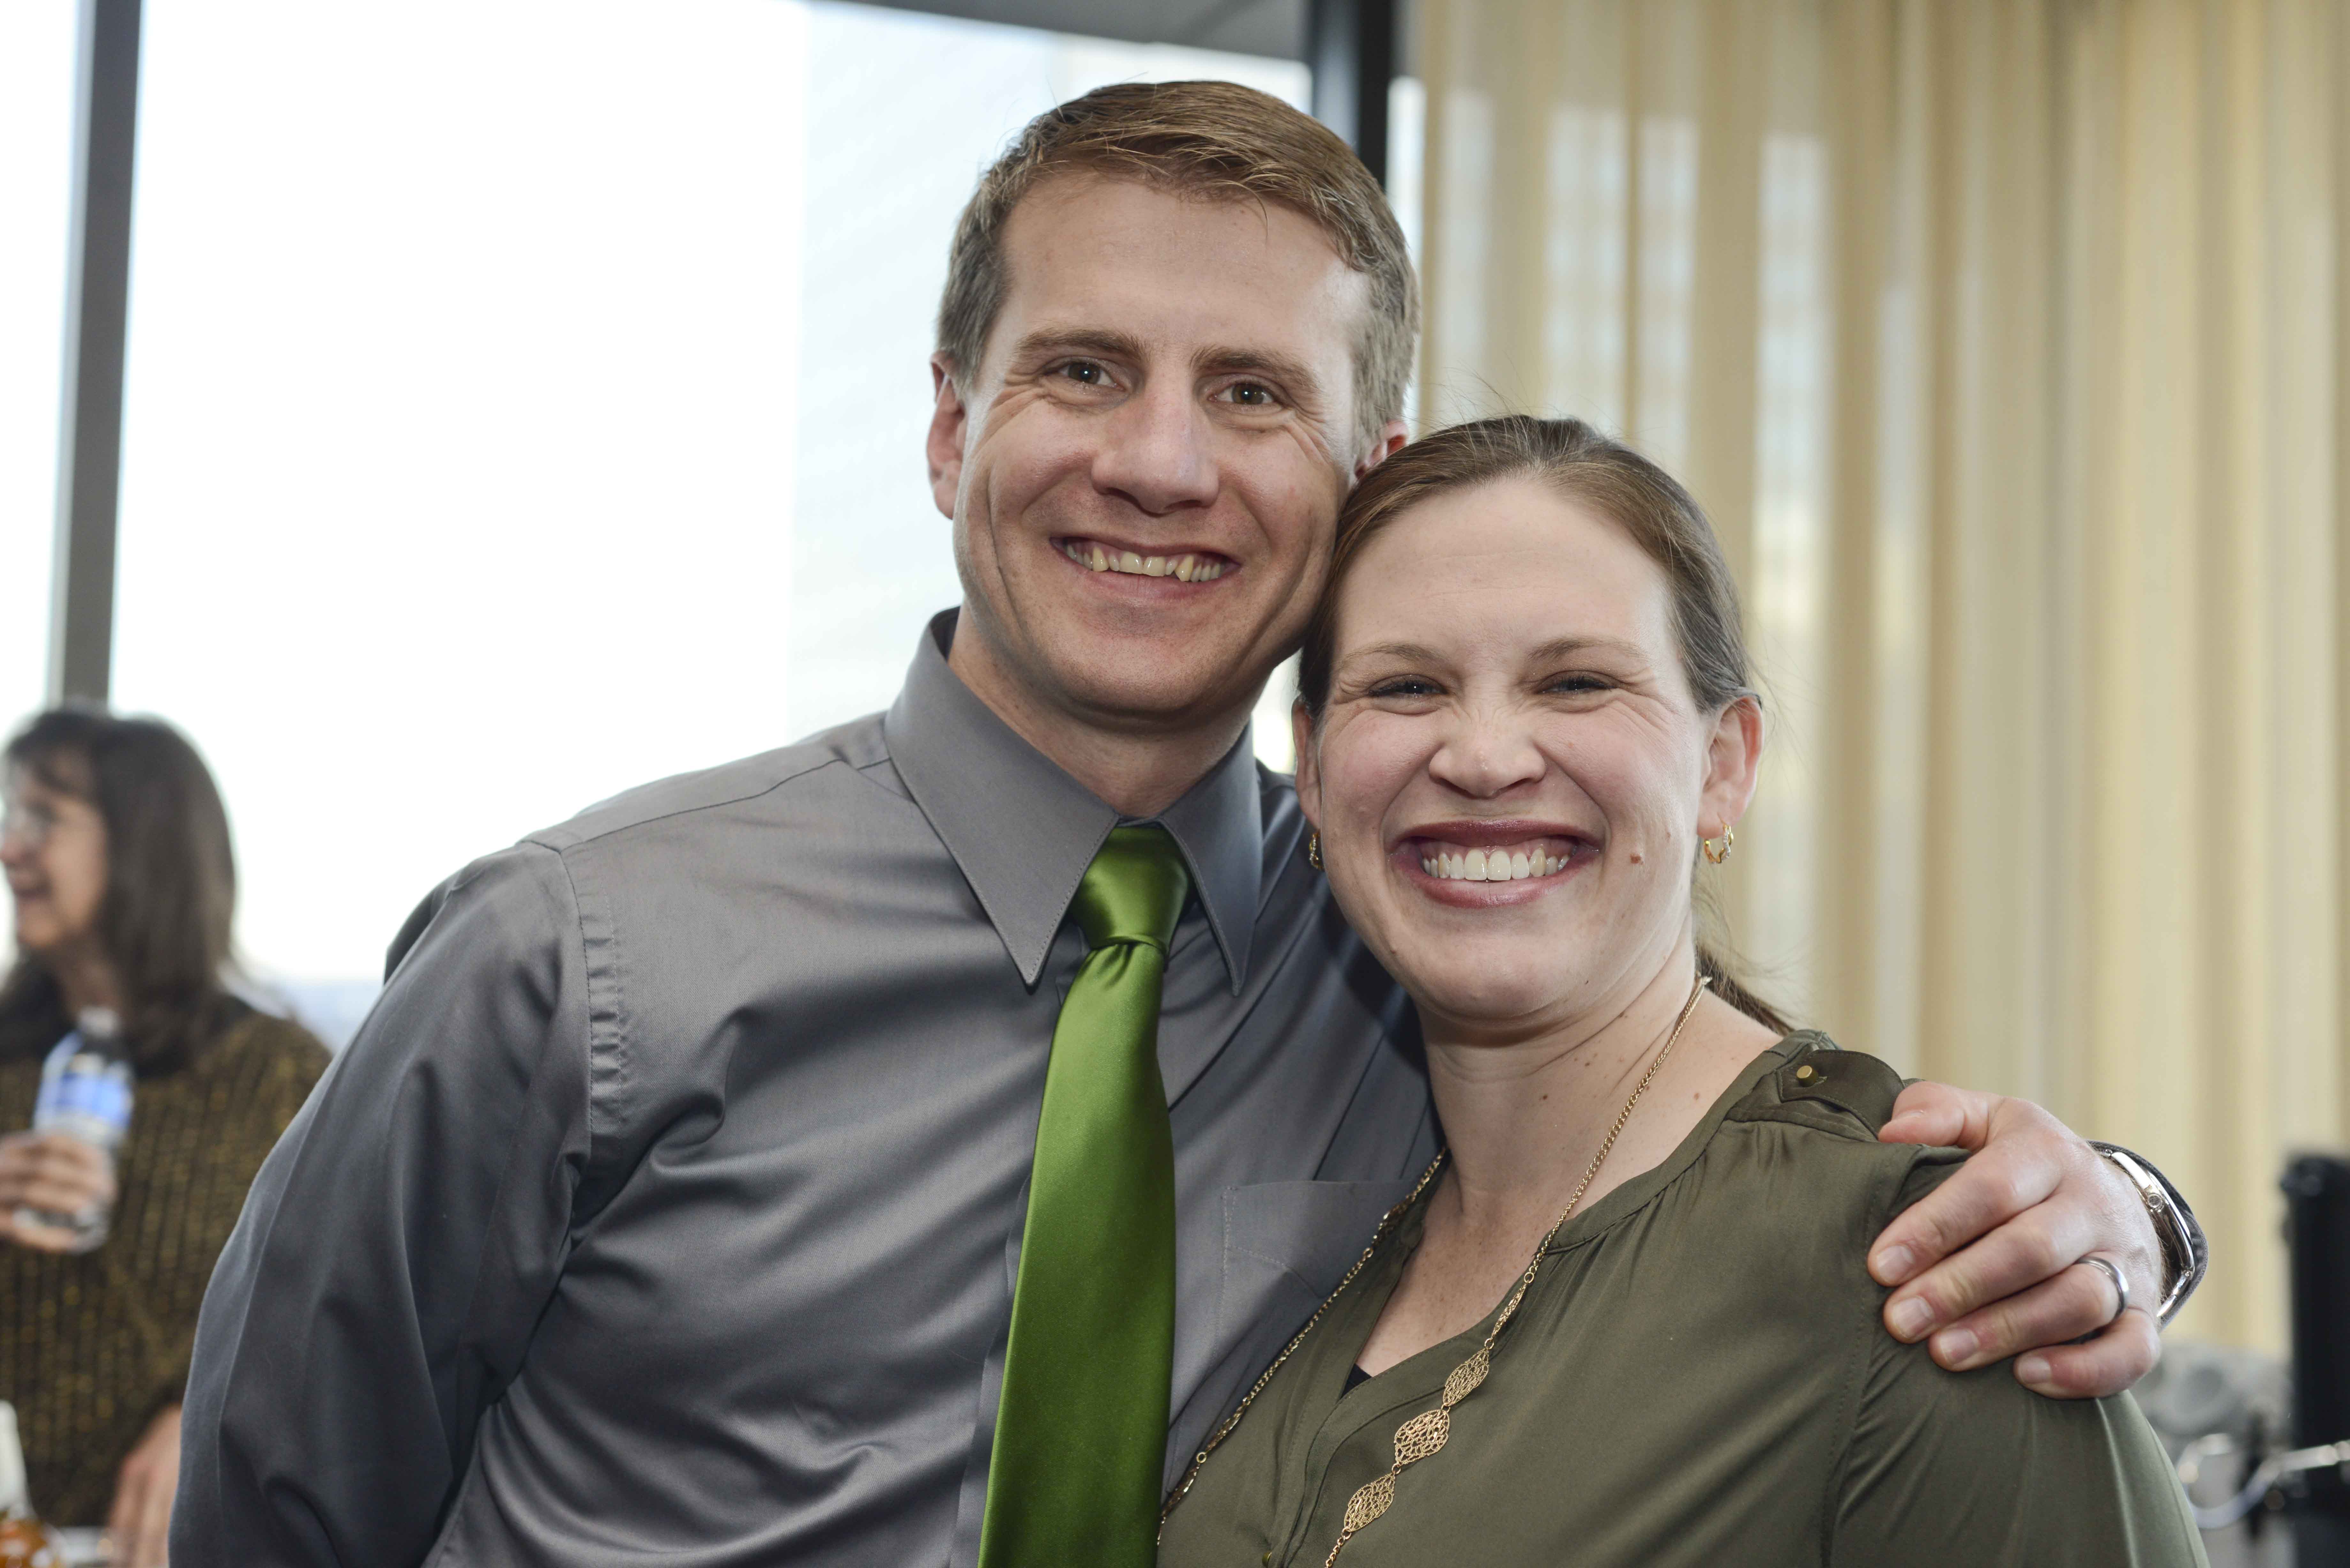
{"x": 53, "y": 1174}
{"x": 138, "y": 1530}
{"x": 1988, "y": 1262}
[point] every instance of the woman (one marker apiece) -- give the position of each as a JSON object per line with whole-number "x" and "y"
{"x": 1623, "y": 1320}
{"x": 117, "y": 855}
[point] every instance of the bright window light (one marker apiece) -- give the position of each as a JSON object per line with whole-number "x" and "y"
{"x": 526, "y": 402}
{"x": 37, "y": 52}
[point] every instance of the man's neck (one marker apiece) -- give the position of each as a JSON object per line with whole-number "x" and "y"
{"x": 1138, "y": 772}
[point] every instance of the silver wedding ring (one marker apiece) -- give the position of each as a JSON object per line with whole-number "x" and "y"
{"x": 2121, "y": 1286}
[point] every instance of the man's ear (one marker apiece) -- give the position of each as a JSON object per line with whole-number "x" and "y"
{"x": 1732, "y": 761}
{"x": 1391, "y": 436}
{"x": 1309, "y": 765}
{"x": 943, "y": 446}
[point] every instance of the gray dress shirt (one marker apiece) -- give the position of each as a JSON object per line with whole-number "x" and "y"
{"x": 667, "y": 1205}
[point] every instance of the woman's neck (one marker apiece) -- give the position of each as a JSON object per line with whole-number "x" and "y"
{"x": 85, "y": 978}
{"x": 1524, "y": 1118}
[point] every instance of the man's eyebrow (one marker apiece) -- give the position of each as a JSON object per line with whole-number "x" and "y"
{"x": 1078, "y": 340}
{"x": 1269, "y": 363}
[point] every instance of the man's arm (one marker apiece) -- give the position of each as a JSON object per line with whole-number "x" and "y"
{"x": 1990, "y": 1264}
{"x": 380, "y": 1289}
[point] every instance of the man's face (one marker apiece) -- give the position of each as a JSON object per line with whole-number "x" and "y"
{"x": 1144, "y": 471}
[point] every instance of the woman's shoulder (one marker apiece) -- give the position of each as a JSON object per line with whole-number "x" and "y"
{"x": 1809, "y": 1115}
{"x": 255, "y": 1042}
{"x": 1808, "y": 1080}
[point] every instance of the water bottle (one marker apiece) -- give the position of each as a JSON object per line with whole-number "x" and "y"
{"x": 86, "y": 1093}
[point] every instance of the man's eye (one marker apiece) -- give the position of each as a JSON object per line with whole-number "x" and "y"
{"x": 1085, "y": 373}
{"x": 1252, "y": 395}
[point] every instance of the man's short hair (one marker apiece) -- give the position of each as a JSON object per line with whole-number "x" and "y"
{"x": 1218, "y": 142}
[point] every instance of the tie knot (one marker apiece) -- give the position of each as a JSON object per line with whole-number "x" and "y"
{"x": 1134, "y": 890}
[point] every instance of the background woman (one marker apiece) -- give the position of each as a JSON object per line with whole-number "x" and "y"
{"x": 116, "y": 849}
{"x": 1625, "y": 1321}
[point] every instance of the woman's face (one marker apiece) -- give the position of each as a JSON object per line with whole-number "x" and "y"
{"x": 53, "y": 849}
{"x": 1512, "y": 775}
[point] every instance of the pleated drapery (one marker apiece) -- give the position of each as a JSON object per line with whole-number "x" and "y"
{"x": 2004, "y": 342}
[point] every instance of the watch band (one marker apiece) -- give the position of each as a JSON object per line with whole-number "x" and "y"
{"x": 2183, "y": 1252}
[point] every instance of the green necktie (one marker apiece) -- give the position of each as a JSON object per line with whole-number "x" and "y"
{"x": 1081, "y": 1430}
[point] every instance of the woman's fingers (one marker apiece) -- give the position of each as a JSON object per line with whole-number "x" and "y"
{"x": 2079, "y": 1300}
{"x": 139, "y": 1527}
{"x": 54, "y": 1173}
{"x": 19, "y": 1230}
{"x": 2106, "y": 1365}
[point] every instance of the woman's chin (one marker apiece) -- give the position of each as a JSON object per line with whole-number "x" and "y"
{"x": 1483, "y": 999}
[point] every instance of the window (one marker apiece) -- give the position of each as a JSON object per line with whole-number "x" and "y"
{"x": 543, "y": 416}
{"x": 37, "y": 49}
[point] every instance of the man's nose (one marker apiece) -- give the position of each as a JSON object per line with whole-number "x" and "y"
{"x": 1157, "y": 453}
{"x": 1487, "y": 754}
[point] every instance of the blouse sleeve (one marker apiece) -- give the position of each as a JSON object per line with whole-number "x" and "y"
{"x": 1970, "y": 1467}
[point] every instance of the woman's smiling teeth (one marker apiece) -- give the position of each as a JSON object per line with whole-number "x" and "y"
{"x": 1194, "y": 568}
{"x": 1507, "y": 863}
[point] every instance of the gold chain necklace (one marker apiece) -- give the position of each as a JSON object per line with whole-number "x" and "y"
{"x": 1425, "y": 1434}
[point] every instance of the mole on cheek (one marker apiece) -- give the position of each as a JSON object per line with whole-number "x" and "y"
{"x": 1636, "y": 857}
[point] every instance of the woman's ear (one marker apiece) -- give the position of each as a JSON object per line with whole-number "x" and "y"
{"x": 1309, "y": 765}
{"x": 1732, "y": 761}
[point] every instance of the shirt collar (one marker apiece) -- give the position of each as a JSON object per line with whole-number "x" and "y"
{"x": 1022, "y": 831}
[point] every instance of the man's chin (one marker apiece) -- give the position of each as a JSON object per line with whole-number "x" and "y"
{"x": 1140, "y": 687}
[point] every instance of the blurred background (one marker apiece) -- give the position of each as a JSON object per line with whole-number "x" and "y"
{"x": 2005, "y": 340}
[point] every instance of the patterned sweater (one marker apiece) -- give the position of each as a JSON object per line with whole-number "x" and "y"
{"x": 93, "y": 1346}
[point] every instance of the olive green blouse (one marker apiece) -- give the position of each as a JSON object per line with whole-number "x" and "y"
{"x": 1698, "y": 1377}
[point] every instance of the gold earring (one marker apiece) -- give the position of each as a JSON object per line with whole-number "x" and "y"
{"x": 1728, "y": 843}
{"x": 1314, "y": 851}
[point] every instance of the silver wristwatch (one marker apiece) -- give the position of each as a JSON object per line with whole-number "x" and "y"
{"x": 2183, "y": 1252}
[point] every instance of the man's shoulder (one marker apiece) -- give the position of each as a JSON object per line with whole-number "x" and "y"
{"x": 857, "y": 746}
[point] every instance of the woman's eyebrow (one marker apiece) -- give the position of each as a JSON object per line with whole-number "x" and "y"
{"x": 1576, "y": 647}
{"x": 1403, "y": 652}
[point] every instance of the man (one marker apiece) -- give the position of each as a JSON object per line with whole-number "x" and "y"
{"x": 778, "y": 1164}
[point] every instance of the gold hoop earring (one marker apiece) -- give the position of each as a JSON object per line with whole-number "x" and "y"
{"x": 1314, "y": 851}
{"x": 1728, "y": 843}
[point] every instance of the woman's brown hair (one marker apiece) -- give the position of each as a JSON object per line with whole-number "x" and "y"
{"x": 1605, "y": 474}
{"x": 170, "y": 885}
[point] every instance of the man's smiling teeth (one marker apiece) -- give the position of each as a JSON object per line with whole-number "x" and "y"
{"x": 1182, "y": 568}
{"x": 1500, "y": 865}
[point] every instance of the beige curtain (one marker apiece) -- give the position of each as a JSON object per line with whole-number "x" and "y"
{"x": 2003, "y": 339}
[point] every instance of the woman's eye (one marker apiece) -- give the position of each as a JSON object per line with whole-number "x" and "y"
{"x": 1404, "y": 686}
{"x": 1578, "y": 685}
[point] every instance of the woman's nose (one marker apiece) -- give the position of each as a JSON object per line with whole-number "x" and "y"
{"x": 1487, "y": 755}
